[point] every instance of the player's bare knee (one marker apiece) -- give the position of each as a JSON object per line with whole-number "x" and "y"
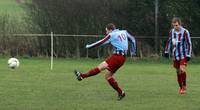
{"x": 103, "y": 66}
{"x": 108, "y": 75}
{"x": 182, "y": 69}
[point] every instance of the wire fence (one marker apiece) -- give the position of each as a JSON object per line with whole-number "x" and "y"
{"x": 62, "y": 45}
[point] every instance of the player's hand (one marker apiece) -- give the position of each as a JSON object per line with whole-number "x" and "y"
{"x": 188, "y": 58}
{"x": 87, "y": 46}
{"x": 166, "y": 55}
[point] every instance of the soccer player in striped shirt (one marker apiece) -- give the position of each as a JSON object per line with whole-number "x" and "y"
{"x": 119, "y": 40}
{"x": 179, "y": 40}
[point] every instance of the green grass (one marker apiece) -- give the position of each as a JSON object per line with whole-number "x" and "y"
{"x": 10, "y": 7}
{"x": 148, "y": 86}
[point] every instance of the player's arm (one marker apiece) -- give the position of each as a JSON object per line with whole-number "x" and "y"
{"x": 105, "y": 40}
{"x": 188, "y": 43}
{"x": 168, "y": 44}
{"x": 131, "y": 38}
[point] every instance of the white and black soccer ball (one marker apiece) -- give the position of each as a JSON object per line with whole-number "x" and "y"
{"x": 13, "y": 63}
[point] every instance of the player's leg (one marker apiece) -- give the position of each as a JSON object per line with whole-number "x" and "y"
{"x": 180, "y": 81}
{"x": 111, "y": 80}
{"x": 91, "y": 72}
{"x": 179, "y": 76}
{"x": 95, "y": 70}
{"x": 183, "y": 74}
{"x": 114, "y": 63}
{"x": 177, "y": 67}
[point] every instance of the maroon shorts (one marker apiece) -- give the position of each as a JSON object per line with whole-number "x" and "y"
{"x": 115, "y": 61}
{"x": 178, "y": 63}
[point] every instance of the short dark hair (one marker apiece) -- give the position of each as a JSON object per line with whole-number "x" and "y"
{"x": 176, "y": 19}
{"x": 110, "y": 26}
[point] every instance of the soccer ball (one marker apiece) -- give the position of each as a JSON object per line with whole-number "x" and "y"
{"x": 13, "y": 63}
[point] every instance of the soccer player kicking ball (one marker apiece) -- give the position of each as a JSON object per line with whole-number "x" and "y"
{"x": 119, "y": 40}
{"x": 179, "y": 40}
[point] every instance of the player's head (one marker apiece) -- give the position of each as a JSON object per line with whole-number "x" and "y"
{"x": 176, "y": 23}
{"x": 110, "y": 27}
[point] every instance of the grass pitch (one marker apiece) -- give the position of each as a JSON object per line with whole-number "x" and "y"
{"x": 148, "y": 86}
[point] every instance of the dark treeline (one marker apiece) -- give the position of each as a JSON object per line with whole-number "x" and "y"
{"x": 91, "y": 16}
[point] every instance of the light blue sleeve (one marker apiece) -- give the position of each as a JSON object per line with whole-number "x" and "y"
{"x": 107, "y": 42}
{"x": 133, "y": 49}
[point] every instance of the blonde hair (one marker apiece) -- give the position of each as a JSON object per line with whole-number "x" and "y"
{"x": 176, "y": 19}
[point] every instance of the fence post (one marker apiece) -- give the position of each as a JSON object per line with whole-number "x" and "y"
{"x": 77, "y": 47}
{"x": 98, "y": 53}
{"x": 86, "y": 53}
{"x": 51, "y": 50}
{"x": 156, "y": 26}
